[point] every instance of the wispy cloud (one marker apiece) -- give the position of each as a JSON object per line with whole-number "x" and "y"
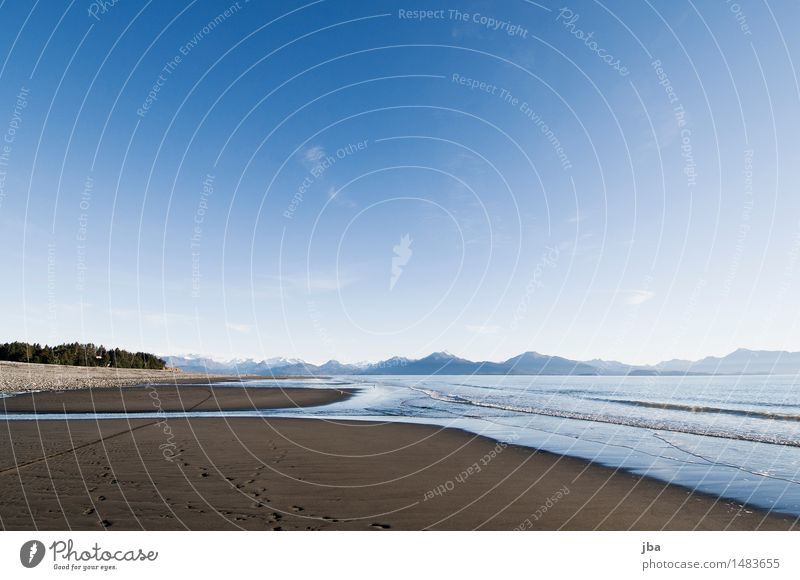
{"x": 242, "y": 328}
{"x": 314, "y": 153}
{"x": 636, "y": 297}
{"x": 576, "y": 219}
{"x": 150, "y": 318}
{"x": 483, "y": 328}
{"x": 336, "y": 196}
{"x": 314, "y": 282}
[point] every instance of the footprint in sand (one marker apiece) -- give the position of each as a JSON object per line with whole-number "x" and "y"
{"x": 380, "y": 526}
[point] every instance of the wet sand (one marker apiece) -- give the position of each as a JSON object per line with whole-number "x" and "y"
{"x": 169, "y": 397}
{"x": 308, "y": 474}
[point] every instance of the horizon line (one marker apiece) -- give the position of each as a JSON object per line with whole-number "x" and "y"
{"x": 218, "y": 359}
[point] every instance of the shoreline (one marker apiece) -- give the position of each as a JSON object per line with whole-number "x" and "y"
{"x": 298, "y": 474}
{"x": 169, "y": 398}
{"x": 216, "y": 473}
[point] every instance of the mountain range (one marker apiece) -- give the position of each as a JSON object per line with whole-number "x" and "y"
{"x": 741, "y": 361}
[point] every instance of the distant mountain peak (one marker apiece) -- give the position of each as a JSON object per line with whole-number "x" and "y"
{"x": 741, "y": 361}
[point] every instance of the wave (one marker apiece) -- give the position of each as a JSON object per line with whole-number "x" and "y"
{"x": 617, "y": 420}
{"x": 705, "y": 409}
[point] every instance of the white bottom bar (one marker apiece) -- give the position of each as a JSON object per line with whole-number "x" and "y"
{"x": 426, "y": 555}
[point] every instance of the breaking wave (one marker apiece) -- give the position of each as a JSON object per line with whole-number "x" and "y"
{"x": 656, "y": 424}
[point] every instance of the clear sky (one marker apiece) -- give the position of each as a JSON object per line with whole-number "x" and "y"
{"x": 355, "y": 180}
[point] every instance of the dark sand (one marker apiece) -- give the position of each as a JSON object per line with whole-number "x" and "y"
{"x": 169, "y": 397}
{"x": 305, "y": 474}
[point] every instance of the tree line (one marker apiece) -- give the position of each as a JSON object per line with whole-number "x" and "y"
{"x": 77, "y": 354}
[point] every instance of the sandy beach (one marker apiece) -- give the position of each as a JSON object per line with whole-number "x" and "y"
{"x": 169, "y": 397}
{"x": 308, "y": 474}
{"x": 16, "y": 377}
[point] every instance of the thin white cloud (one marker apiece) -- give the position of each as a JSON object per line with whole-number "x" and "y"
{"x": 636, "y": 297}
{"x": 243, "y": 328}
{"x": 314, "y": 153}
{"x": 483, "y": 328}
{"x": 151, "y": 318}
{"x": 325, "y": 284}
{"x": 337, "y": 197}
{"x": 312, "y": 283}
{"x": 576, "y": 219}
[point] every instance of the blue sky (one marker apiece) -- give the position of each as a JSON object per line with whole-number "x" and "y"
{"x": 355, "y": 180}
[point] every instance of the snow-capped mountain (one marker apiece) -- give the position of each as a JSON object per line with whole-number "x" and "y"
{"x": 742, "y": 361}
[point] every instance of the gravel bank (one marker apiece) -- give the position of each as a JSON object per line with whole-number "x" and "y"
{"x": 15, "y": 377}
